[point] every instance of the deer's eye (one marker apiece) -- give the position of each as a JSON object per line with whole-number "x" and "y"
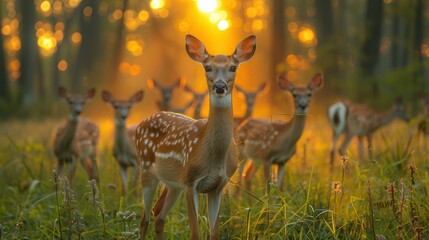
{"x": 309, "y": 95}
{"x": 233, "y": 69}
{"x": 208, "y": 68}
{"x": 294, "y": 95}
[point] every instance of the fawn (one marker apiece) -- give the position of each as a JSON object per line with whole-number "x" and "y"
{"x": 194, "y": 156}
{"x": 275, "y": 142}
{"x": 198, "y": 99}
{"x": 250, "y": 98}
{"x": 359, "y": 120}
{"x": 167, "y": 93}
{"x": 77, "y": 139}
{"x": 124, "y": 149}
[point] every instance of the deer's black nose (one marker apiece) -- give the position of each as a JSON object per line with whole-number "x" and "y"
{"x": 220, "y": 87}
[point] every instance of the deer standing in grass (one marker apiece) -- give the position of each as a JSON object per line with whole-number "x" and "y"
{"x": 275, "y": 142}
{"x": 250, "y": 98}
{"x": 194, "y": 156}
{"x": 77, "y": 139}
{"x": 124, "y": 149}
{"x": 361, "y": 121}
{"x": 166, "y": 94}
{"x": 198, "y": 99}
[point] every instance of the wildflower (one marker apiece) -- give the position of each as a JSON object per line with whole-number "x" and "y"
{"x": 336, "y": 186}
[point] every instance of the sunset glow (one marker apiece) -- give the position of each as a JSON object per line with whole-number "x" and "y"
{"x": 207, "y": 6}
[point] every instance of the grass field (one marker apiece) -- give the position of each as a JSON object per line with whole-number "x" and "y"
{"x": 358, "y": 199}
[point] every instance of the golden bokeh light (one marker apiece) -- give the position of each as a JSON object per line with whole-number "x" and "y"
{"x": 251, "y": 12}
{"x": 117, "y": 14}
{"x": 58, "y": 7}
{"x": 62, "y": 65}
{"x": 134, "y": 47}
{"x": 183, "y": 26}
{"x": 292, "y": 27}
{"x": 76, "y": 37}
{"x": 307, "y": 36}
{"x": 214, "y": 17}
{"x": 157, "y": 4}
{"x": 14, "y": 65}
{"x": 13, "y": 43}
{"x": 6, "y": 30}
{"x": 292, "y": 61}
{"x": 257, "y": 25}
{"x": 223, "y": 25}
{"x": 47, "y": 43}
{"x": 143, "y": 15}
{"x": 87, "y": 11}
{"x": 74, "y": 3}
{"x": 131, "y": 69}
{"x": 45, "y": 6}
{"x": 163, "y": 13}
{"x": 207, "y": 6}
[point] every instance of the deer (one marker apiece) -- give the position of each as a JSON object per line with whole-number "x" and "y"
{"x": 77, "y": 139}
{"x": 353, "y": 119}
{"x": 183, "y": 108}
{"x": 250, "y": 98}
{"x": 124, "y": 149}
{"x": 166, "y": 93}
{"x": 194, "y": 156}
{"x": 198, "y": 99}
{"x": 274, "y": 143}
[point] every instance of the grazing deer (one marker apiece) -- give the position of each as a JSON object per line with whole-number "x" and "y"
{"x": 198, "y": 99}
{"x": 77, "y": 139}
{"x": 250, "y": 98}
{"x": 197, "y": 156}
{"x": 359, "y": 120}
{"x": 423, "y": 125}
{"x": 124, "y": 149}
{"x": 275, "y": 142}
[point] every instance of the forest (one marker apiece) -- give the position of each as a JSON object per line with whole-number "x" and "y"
{"x": 373, "y": 53}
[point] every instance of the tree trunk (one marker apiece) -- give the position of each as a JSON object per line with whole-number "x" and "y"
{"x": 4, "y": 78}
{"x": 418, "y": 74}
{"x": 68, "y": 23}
{"x": 28, "y": 54}
{"x": 371, "y": 43}
{"x": 86, "y": 54}
{"x": 119, "y": 45}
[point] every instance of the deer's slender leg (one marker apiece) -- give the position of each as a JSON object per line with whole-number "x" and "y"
{"x": 170, "y": 198}
{"x": 192, "y": 212}
{"x": 213, "y": 203}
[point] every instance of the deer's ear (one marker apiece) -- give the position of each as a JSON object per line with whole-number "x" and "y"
{"x": 239, "y": 89}
{"x": 137, "y": 97}
{"x": 62, "y": 92}
{"x": 245, "y": 49}
{"x": 90, "y": 93}
{"x": 151, "y": 83}
{"x": 196, "y": 49}
{"x": 106, "y": 96}
{"x": 284, "y": 83}
{"x": 316, "y": 82}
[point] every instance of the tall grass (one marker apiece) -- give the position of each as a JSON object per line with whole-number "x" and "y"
{"x": 316, "y": 202}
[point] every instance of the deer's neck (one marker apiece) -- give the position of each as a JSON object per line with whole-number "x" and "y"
{"x": 66, "y": 139}
{"x": 120, "y": 132}
{"x": 248, "y": 111}
{"x": 219, "y": 129}
{"x": 197, "y": 111}
{"x": 384, "y": 118}
{"x": 293, "y": 130}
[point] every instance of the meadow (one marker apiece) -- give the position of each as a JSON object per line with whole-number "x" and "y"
{"x": 382, "y": 198}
